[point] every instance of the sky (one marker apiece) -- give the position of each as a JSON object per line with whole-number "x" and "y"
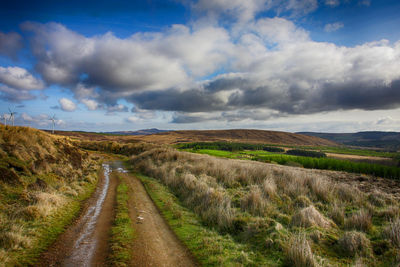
{"x": 293, "y": 65}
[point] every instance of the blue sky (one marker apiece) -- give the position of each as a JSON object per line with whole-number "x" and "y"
{"x": 295, "y": 65}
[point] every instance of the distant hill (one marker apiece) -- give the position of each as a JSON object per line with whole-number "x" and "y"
{"x": 375, "y": 139}
{"x": 139, "y": 132}
{"x": 237, "y": 135}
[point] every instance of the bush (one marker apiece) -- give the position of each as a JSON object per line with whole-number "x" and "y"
{"x": 306, "y": 153}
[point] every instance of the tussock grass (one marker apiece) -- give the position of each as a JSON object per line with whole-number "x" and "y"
{"x": 354, "y": 243}
{"x": 254, "y": 202}
{"x": 310, "y": 216}
{"x": 245, "y": 199}
{"x": 360, "y": 220}
{"x": 392, "y": 232}
{"x": 299, "y": 253}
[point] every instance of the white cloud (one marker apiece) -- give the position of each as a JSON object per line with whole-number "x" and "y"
{"x": 90, "y": 103}
{"x": 19, "y": 78}
{"x": 332, "y": 3}
{"x": 66, "y": 104}
{"x": 332, "y": 27}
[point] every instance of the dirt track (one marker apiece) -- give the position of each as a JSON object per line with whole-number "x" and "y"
{"x": 85, "y": 243}
{"x": 155, "y": 244}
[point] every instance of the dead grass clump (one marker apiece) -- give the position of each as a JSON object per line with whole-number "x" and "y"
{"x": 337, "y": 213}
{"x": 13, "y": 237}
{"x": 299, "y": 253}
{"x": 354, "y": 243}
{"x": 302, "y": 202}
{"x": 348, "y": 193}
{"x": 310, "y": 216}
{"x": 360, "y": 220}
{"x": 391, "y": 212}
{"x": 392, "y": 232}
{"x": 269, "y": 187}
{"x": 377, "y": 198}
{"x": 321, "y": 188}
{"x": 254, "y": 202}
{"x": 48, "y": 202}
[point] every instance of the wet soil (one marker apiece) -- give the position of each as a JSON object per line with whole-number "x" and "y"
{"x": 84, "y": 243}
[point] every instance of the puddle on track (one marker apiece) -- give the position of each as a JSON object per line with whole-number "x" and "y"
{"x": 85, "y": 245}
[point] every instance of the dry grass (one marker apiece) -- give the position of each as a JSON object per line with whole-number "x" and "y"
{"x": 360, "y": 220}
{"x": 310, "y": 216}
{"x": 354, "y": 243}
{"x": 392, "y": 232}
{"x": 254, "y": 202}
{"x": 337, "y": 213}
{"x": 299, "y": 253}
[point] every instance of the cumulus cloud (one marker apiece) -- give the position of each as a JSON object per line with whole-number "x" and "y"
{"x": 19, "y": 78}
{"x": 40, "y": 120}
{"x": 332, "y": 27}
{"x": 10, "y": 44}
{"x": 66, "y": 104}
{"x": 270, "y": 67}
{"x": 14, "y": 95}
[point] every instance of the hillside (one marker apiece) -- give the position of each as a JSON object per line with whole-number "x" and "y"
{"x": 42, "y": 179}
{"x": 374, "y": 139}
{"x": 240, "y": 135}
{"x": 138, "y": 132}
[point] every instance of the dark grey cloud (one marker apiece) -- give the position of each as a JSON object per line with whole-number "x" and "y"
{"x": 10, "y": 44}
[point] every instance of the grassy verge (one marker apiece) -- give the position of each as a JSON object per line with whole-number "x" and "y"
{"x": 122, "y": 231}
{"x": 44, "y": 231}
{"x": 210, "y": 247}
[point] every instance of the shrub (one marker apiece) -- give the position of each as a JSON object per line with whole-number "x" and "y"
{"x": 299, "y": 253}
{"x": 354, "y": 243}
{"x": 306, "y": 153}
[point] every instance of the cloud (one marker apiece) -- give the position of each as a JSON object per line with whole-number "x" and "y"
{"x": 364, "y": 2}
{"x": 266, "y": 68}
{"x": 332, "y": 3}
{"x": 332, "y": 27}
{"x": 15, "y": 95}
{"x": 10, "y": 44}
{"x": 41, "y": 120}
{"x": 244, "y": 11}
{"x": 90, "y": 104}
{"x": 19, "y": 78}
{"x": 67, "y": 105}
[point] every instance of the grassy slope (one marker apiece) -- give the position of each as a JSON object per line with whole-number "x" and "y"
{"x": 265, "y": 211}
{"x": 43, "y": 181}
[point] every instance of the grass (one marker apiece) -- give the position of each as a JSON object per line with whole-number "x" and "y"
{"x": 45, "y": 179}
{"x": 268, "y": 206}
{"x": 209, "y": 247}
{"x": 308, "y": 162}
{"x": 122, "y": 231}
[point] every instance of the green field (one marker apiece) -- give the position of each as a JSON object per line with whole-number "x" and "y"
{"x": 308, "y": 162}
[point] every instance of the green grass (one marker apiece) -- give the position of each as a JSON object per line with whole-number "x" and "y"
{"x": 307, "y": 162}
{"x": 122, "y": 232}
{"x": 210, "y": 247}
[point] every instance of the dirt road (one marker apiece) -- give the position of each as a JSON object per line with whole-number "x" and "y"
{"x": 155, "y": 244}
{"x": 85, "y": 243}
